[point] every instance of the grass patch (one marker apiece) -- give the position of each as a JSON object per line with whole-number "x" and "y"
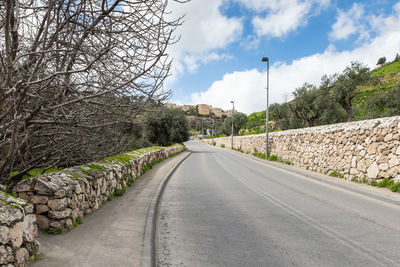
{"x": 124, "y": 158}
{"x": 77, "y": 221}
{"x": 35, "y": 257}
{"x": 110, "y": 197}
{"x": 95, "y": 167}
{"x": 119, "y": 192}
{"x": 272, "y": 157}
{"x": 387, "y": 69}
{"x": 53, "y": 232}
{"x": 75, "y": 174}
{"x": 336, "y": 174}
{"x": 383, "y": 183}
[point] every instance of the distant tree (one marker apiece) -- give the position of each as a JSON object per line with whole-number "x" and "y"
{"x": 381, "y": 61}
{"x": 397, "y": 58}
{"x": 304, "y": 105}
{"x": 169, "y": 127}
{"x": 239, "y": 121}
{"x": 383, "y": 103}
{"x": 279, "y": 113}
{"x": 346, "y": 85}
{"x": 330, "y": 111}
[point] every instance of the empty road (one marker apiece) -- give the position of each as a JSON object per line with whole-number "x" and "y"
{"x": 222, "y": 208}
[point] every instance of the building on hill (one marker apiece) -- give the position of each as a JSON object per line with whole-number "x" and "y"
{"x": 204, "y": 109}
{"x": 187, "y": 107}
{"x": 217, "y": 112}
{"x": 227, "y": 113}
{"x": 171, "y": 105}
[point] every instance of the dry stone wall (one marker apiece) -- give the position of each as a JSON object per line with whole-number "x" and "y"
{"x": 59, "y": 198}
{"x": 369, "y": 148}
{"x": 18, "y": 231}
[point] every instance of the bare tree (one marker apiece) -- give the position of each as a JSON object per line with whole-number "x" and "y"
{"x": 75, "y": 76}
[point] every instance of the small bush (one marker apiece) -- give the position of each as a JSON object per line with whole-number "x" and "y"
{"x": 336, "y": 174}
{"x": 118, "y": 192}
{"x": 222, "y": 145}
{"x": 395, "y": 187}
{"x": 272, "y": 157}
{"x": 383, "y": 183}
{"x": 373, "y": 183}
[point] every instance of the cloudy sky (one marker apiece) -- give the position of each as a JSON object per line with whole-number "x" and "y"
{"x": 218, "y": 58}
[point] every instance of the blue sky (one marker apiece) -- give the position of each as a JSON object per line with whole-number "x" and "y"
{"x": 218, "y": 58}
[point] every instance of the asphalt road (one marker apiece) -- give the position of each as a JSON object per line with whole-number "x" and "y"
{"x": 222, "y": 208}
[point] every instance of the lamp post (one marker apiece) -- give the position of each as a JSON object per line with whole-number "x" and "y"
{"x": 212, "y": 129}
{"x": 265, "y": 59}
{"x": 233, "y": 110}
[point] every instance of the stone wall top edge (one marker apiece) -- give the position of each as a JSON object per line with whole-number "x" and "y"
{"x": 65, "y": 178}
{"x": 331, "y": 128}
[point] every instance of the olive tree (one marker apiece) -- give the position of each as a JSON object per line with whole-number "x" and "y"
{"x": 346, "y": 85}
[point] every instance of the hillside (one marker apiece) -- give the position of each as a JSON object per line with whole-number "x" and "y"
{"x": 379, "y": 97}
{"x": 387, "y": 76}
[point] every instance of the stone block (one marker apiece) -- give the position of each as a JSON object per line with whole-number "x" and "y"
{"x": 21, "y": 256}
{"x": 16, "y": 234}
{"x": 6, "y": 255}
{"x": 4, "y": 234}
{"x": 40, "y": 208}
{"x": 29, "y": 228}
{"x": 53, "y": 214}
{"x": 58, "y": 204}
{"x": 373, "y": 171}
{"x": 42, "y": 222}
{"x": 37, "y": 199}
{"x": 9, "y": 215}
{"x": 383, "y": 166}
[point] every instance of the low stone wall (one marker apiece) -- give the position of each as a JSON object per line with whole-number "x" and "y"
{"x": 60, "y": 198}
{"x": 18, "y": 230}
{"x": 369, "y": 148}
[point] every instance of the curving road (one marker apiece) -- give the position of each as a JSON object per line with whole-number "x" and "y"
{"x": 223, "y": 208}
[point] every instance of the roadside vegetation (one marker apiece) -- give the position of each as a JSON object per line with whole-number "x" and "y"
{"x": 357, "y": 93}
{"x": 84, "y": 82}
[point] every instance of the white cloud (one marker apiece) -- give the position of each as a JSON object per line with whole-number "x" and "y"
{"x": 279, "y": 17}
{"x": 348, "y": 23}
{"x": 204, "y": 31}
{"x": 247, "y": 87}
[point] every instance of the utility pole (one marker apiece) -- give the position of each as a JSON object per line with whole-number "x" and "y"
{"x": 265, "y": 59}
{"x": 233, "y": 110}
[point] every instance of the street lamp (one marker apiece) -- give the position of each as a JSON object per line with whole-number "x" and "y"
{"x": 233, "y": 110}
{"x": 265, "y": 59}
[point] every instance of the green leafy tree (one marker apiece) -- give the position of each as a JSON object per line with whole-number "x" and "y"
{"x": 346, "y": 85}
{"x": 304, "y": 105}
{"x": 239, "y": 121}
{"x": 381, "y": 61}
{"x": 279, "y": 113}
{"x": 169, "y": 127}
{"x": 383, "y": 103}
{"x": 330, "y": 111}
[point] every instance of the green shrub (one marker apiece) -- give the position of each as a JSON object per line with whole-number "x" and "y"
{"x": 336, "y": 174}
{"x": 395, "y": 187}
{"x": 383, "y": 183}
{"x": 222, "y": 145}
{"x": 118, "y": 192}
{"x": 272, "y": 157}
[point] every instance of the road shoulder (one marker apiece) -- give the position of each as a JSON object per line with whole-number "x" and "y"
{"x": 114, "y": 235}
